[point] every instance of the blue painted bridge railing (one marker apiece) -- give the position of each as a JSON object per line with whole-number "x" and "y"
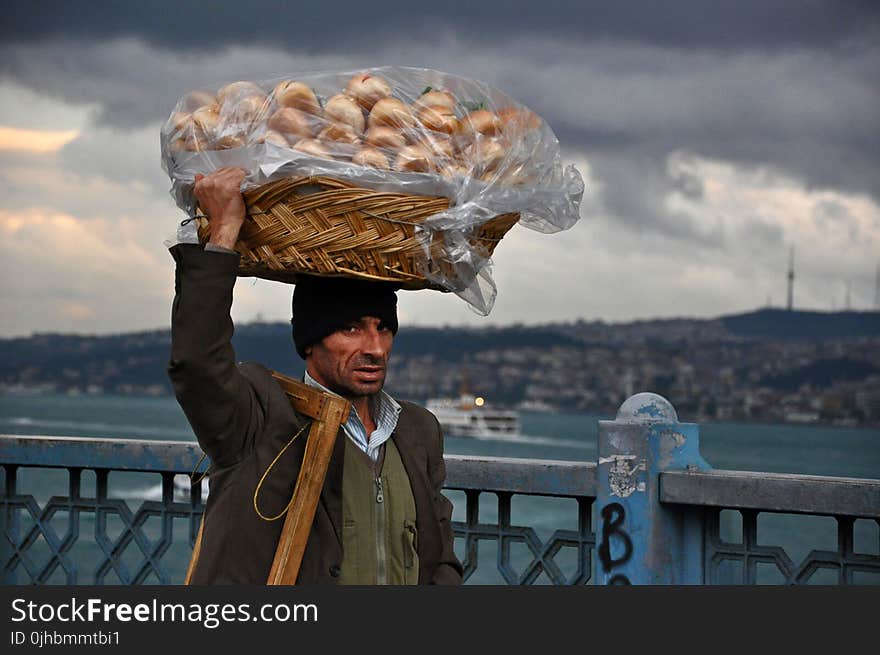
{"x": 650, "y": 510}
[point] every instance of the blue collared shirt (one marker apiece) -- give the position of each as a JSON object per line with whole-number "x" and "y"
{"x": 385, "y": 412}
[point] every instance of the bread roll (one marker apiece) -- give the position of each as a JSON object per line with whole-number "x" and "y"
{"x": 391, "y": 112}
{"x": 439, "y": 145}
{"x": 291, "y": 121}
{"x": 339, "y": 133}
{"x": 385, "y": 137}
{"x": 372, "y": 157}
{"x": 206, "y": 119}
{"x": 271, "y": 136}
{"x": 342, "y": 109}
{"x": 367, "y": 90}
{"x": 438, "y": 118}
{"x": 339, "y": 140}
{"x": 196, "y": 99}
{"x": 485, "y": 154}
{"x": 516, "y": 121}
{"x": 296, "y": 95}
{"x": 179, "y": 144}
{"x": 235, "y": 91}
{"x": 179, "y": 123}
{"x": 247, "y": 111}
{"x": 312, "y": 147}
{"x": 436, "y": 99}
{"x": 416, "y": 159}
{"x": 480, "y": 122}
{"x": 193, "y": 143}
{"x": 229, "y": 141}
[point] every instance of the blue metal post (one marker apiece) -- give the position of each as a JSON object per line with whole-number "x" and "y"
{"x": 641, "y": 541}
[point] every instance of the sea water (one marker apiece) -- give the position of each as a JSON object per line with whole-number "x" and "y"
{"x": 814, "y": 450}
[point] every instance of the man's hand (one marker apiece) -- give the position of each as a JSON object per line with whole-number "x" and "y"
{"x": 219, "y": 196}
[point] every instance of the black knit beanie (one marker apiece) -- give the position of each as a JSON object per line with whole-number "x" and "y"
{"x": 322, "y": 305}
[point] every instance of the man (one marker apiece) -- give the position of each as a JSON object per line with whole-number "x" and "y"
{"x": 382, "y": 518}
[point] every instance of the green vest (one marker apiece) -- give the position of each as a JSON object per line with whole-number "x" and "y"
{"x": 379, "y": 538}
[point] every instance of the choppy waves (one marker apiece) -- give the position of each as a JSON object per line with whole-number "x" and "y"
{"x": 82, "y": 428}
{"x": 530, "y": 439}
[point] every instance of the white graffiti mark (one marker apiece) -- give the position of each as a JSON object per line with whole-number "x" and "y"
{"x": 677, "y": 438}
{"x": 670, "y": 440}
{"x": 622, "y": 474}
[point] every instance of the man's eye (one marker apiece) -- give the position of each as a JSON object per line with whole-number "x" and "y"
{"x": 351, "y": 329}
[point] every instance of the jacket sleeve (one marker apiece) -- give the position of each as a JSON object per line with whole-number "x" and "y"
{"x": 449, "y": 569}
{"x": 220, "y": 403}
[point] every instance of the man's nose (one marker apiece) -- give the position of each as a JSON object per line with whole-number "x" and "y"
{"x": 373, "y": 343}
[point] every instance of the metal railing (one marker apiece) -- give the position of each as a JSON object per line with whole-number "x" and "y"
{"x": 649, "y": 511}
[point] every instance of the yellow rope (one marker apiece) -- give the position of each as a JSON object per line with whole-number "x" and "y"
{"x": 266, "y": 472}
{"x": 196, "y": 468}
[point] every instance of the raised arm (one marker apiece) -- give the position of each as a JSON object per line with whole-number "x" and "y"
{"x": 218, "y": 400}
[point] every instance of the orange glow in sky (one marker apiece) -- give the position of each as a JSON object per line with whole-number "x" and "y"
{"x": 13, "y": 138}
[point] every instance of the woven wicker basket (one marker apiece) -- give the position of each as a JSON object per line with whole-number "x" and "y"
{"x": 322, "y": 226}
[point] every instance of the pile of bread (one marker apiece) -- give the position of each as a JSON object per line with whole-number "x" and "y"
{"x": 366, "y": 124}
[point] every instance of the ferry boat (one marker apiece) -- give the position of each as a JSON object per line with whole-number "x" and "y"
{"x": 469, "y": 416}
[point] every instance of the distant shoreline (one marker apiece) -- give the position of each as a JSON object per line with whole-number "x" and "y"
{"x": 598, "y": 416}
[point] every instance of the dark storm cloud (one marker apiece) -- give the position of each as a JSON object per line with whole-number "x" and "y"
{"x": 811, "y": 112}
{"x": 790, "y": 85}
{"x": 354, "y": 24}
{"x": 632, "y": 191}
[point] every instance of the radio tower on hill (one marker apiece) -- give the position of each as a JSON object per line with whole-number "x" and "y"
{"x": 791, "y": 279}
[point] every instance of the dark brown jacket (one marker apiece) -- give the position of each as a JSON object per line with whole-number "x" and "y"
{"x": 243, "y": 420}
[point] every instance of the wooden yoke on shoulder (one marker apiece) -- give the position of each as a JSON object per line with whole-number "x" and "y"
{"x": 328, "y": 413}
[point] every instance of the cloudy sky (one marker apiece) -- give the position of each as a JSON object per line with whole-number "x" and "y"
{"x": 712, "y": 137}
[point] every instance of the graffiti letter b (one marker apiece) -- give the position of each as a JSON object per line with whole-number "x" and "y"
{"x": 613, "y": 516}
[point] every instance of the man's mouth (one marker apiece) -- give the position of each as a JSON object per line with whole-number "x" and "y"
{"x": 370, "y": 372}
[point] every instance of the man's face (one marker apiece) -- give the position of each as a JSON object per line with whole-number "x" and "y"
{"x": 352, "y": 361}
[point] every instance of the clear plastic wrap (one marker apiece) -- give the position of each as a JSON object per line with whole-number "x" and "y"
{"x": 408, "y": 130}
